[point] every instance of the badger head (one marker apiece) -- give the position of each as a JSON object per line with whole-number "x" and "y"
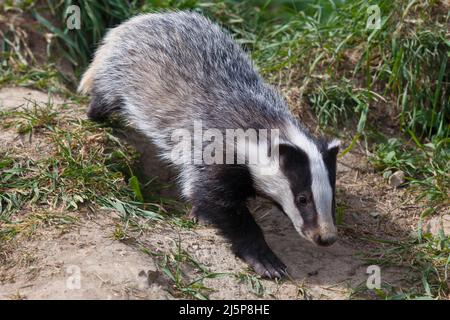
{"x": 304, "y": 187}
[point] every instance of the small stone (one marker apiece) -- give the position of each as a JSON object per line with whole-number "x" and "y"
{"x": 396, "y": 179}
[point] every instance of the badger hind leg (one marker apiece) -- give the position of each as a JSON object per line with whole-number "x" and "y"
{"x": 220, "y": 198}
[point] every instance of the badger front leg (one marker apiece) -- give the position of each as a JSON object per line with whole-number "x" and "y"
{"x": 219, "y": 198}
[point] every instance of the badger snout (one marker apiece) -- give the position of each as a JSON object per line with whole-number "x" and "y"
{"x": 325, "y": 240}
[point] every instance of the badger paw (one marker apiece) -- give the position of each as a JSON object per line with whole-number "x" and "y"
{"x": 264, "y": 262}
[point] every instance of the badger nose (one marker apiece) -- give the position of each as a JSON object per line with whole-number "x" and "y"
{"x": 325, "y": 240}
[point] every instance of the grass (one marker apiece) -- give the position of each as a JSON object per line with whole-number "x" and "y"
{"x": 401, "y": 68}
{"x": 32, "y": 222}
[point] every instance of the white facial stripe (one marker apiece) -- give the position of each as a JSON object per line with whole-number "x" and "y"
{"x": 321, "y": 188}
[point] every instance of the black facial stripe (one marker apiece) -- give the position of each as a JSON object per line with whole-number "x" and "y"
{"x": 296, "y": 167}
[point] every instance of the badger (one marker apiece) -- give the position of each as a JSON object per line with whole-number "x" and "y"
{"x": 162, "y": 72}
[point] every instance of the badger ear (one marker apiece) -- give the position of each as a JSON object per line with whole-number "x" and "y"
{"x": 333, "y": 147}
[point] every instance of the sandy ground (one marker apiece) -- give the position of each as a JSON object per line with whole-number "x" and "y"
{"x": 48, "y": 264}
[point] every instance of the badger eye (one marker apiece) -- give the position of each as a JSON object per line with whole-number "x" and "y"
{"x": 302, "y": 200}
